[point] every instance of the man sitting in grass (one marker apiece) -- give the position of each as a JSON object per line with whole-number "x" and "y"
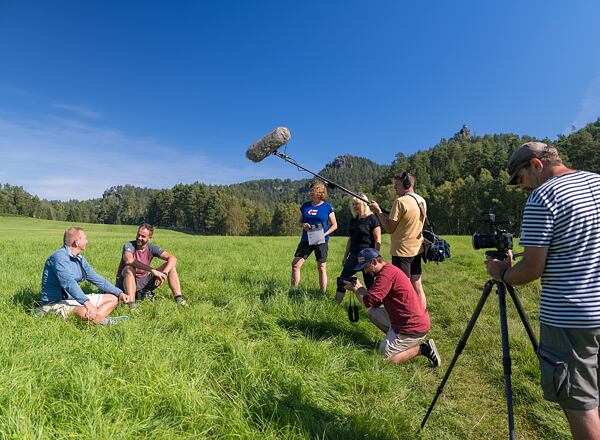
{"x": 63, "y": 272}
{"x": 403, "y": 317}
{"x": 135, "y": 275}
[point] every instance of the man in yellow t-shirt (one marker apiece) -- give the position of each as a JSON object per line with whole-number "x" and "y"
{"x": 405, "y": 224}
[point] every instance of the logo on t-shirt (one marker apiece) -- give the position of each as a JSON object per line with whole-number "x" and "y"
{"x": 313, "y": 211}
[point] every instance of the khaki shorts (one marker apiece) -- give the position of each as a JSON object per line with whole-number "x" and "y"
{"x": 393, "y": 343}
{"x": 65, "y": 307}
{"x": 569, "y": 366}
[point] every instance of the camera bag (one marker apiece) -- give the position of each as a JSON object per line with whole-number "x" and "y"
{"x": 433, "y": 247}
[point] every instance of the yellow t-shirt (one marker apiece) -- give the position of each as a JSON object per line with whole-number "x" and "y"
{"x": 407, "y": 237}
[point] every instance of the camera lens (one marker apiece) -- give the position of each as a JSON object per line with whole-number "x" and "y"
{"x": 483, "y": 241}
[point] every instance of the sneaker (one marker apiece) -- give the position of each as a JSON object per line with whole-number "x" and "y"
{"x": 181, "y": 302}
{"x": 112, "y": 320}
{"x": 433, "y": 355}
{"x": 133, "y": 307}
{"x": 147, "y": 295}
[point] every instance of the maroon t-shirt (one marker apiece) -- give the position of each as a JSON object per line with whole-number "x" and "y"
{"x": 393, "y": 289}
{"x": 144, "y": 256}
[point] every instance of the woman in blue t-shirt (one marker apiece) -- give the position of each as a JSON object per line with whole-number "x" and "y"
{"x": 364, "y": 232}
{"x": 314, "y": 215}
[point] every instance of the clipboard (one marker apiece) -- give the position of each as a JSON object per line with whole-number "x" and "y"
{"x": 316, "y": 235}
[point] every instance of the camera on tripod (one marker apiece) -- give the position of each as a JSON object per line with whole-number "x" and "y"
{"x": 496, "y": 238}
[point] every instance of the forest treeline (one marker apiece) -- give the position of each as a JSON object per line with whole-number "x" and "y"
{"x": 459, "y": 177}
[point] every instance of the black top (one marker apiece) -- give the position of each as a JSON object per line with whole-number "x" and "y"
{"x": 361, "y": 233}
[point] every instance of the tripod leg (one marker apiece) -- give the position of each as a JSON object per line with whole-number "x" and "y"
{"x": 506, "y": 362}
{"x": 523, "y": 316}
{"x": 461, "y": 345}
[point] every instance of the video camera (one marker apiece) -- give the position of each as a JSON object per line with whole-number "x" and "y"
{"x": 497, "y": 238}
{"x": 342, "y": 280}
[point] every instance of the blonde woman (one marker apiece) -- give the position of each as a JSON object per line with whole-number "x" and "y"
{"x": 364, "y": 232}
{"x": 313, "y": 214}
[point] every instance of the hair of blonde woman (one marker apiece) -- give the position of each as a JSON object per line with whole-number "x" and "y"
{"x": 360, "y": 208}
{"x": 71, "y": 234}
{"x": 320, "y": 189}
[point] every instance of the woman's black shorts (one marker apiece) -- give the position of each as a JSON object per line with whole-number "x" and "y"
{"x": 304, "y": 250}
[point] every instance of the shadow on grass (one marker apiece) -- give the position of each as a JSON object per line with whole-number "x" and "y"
{"x": 322, "y": 330}
{"x": 305, "y": 293}
{"x": 272, "y": 287}
{"x": 26, "y": 298}
{"x": 292, "y": 412}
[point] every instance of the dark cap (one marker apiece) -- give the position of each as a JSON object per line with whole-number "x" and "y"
{"x": 365, "y": 256}
{"x": 521, "y": 157}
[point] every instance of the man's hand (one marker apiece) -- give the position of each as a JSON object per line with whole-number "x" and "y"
{"x": 375, "y": 207}
{"x": 160, "y": 277}
{"x": 495, "y": 267}
{"x": 124, "y": 298}
{"x": 306, "y": 226}
{"x": 352, "y": 286}
{"x": 90, "y": 310}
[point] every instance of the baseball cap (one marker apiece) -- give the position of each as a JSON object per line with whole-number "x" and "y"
{"x": 365, "y": 256}
{"x": 521, "y": 157}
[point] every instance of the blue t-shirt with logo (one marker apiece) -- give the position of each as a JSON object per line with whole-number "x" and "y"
{"x": 316, "y": 215}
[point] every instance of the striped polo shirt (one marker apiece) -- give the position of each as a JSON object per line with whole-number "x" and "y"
{"x": 563, "y": 214}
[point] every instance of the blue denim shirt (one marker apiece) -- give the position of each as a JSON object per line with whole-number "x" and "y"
{"x": 64, "y": 271}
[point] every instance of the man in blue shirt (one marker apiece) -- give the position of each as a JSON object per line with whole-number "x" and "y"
{"x": 63, "y": 272}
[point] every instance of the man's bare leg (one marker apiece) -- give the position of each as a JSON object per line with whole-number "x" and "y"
{"x": 109, "y": 303}
{"x": 129, "y": 286}
{"x": 415, "y": 280}
{"x": 405, "y": 355}
{"x": 585, "y": 425}
{"x": 174, "y": 284}
{"x": 173, "y": 279}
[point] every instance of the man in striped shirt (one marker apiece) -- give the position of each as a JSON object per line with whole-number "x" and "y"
{"x": 560, "y": 234}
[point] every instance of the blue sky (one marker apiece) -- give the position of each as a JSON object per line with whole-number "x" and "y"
{"x": 101, "y": 93}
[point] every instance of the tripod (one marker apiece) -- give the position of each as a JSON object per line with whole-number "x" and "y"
{"x": 506, "y": 362}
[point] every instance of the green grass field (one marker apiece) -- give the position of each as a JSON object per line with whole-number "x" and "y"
{"x": 249, "y": 359}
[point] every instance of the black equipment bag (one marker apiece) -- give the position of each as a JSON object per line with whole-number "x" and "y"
{"x": 434, "y": 247}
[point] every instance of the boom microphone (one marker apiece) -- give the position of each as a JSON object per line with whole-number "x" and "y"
{"x": 268, "y": 144}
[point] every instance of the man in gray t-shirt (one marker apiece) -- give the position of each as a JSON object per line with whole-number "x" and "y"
{"x": 137, "y": 277}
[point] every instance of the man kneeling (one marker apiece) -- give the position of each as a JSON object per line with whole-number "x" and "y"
{"x": 402, "y": 318}
{"x": 63, "y": 272}
{"x": 135, "y": 275}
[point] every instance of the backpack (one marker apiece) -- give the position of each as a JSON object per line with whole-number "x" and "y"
{"x": 434, "y": 247}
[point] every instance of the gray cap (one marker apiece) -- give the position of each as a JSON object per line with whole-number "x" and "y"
{"x": 521, "y": 157}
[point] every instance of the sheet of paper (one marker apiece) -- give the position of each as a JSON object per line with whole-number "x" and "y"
{"x": 316, "y": 235}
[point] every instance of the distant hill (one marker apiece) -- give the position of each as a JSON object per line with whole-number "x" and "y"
{"x": 354, "y": 173}
{"x": 459, "y": 176}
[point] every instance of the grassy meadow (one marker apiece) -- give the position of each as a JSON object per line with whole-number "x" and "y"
{"x": 249, "y": 359}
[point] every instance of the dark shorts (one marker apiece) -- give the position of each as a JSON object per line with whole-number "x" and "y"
{"x": 304, "y": 250}
{"x": 569, "y": 366}
{"x": 145, "y": 283}
{"x": 403, "y": 263}
{"x": 415, "y": 265}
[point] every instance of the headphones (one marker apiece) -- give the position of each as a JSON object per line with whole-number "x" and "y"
{"x": 405, "y": 177}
